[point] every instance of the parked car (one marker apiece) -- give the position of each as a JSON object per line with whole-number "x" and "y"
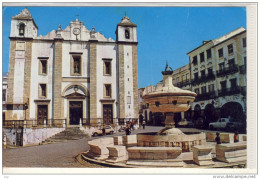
{"x": 234, "y": 126}
{"x": 108, "y": 129}
{"x": 185, "y": 123}
{"x": 221, "y": 123}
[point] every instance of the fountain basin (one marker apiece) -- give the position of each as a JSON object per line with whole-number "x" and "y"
{"x": 169, "y": 102}
{"x": 184, "y": 141}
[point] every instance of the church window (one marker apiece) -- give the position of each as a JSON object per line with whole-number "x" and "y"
{"x": 21, "y": 29}
{"x": 42, "y": 91}
{"x": 127, "y": 34}
{"x": 43, "y": 67}
{"x": 107, "y": 92}
{"x": 107, "y": 67}
{"x": 76, "y": 66}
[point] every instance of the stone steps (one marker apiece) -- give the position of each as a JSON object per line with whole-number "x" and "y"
{"x": 72, "y": 133}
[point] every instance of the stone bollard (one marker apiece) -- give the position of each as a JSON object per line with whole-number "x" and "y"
{"x": 24, "y": 124}
{"x": 44, "y": 123}
{"x": 202, "y": 155}
{"x": 80, "y": 122}
{"x": 64, "y": 123}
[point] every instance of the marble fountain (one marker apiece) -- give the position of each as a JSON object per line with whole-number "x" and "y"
{"x": 169, "y": 147}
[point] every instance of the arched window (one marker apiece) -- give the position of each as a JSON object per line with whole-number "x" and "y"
{"x": 127, "y": 34}
{"x": 21, "y": 29}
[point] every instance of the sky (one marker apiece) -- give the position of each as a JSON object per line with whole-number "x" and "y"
{"x": 163, "y": 33}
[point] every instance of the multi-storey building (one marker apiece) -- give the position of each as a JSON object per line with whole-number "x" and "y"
{"x": 181, "y": 79}
{"x": 72, "y": 73}
{"x": 218, "y": 76}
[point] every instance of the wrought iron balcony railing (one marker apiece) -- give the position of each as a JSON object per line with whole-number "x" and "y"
{"x": 206, "y": 96}
{"x": 183, "y": 83}
{"x": 203, "y": 79}
{"x": 229, "y": 91}
{"x": 227, "y": 70}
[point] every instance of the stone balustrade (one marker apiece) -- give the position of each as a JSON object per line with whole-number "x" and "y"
{"x": 98, "y": 148}
{"x": 234, "y": 152}
{"x": 202, "y": 155}
{"x": 117, "y": 154}
{"x": 129, "y": 140}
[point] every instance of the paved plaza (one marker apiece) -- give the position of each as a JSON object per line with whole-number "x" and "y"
{"x": 54, "y": 155}
{"x": 62, "y": 154}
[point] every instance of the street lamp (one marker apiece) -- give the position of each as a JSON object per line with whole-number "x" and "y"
{"x": 25, "y": 107}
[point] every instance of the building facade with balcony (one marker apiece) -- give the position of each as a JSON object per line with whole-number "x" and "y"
{"x": 181, "y": 79}
{"x": 72, "y": 74}
{"x": 218, "y": 76}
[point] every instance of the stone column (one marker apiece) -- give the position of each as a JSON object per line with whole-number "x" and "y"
{"x": 121, "y": 85}
{"x": 182, "y": 115}
{"x": 10, "y": 81}
{"x": 57, "y": 77}
{"x": 27, "y": 76}
{"x": 135, "y": 80}
{"x": 169, "y": 119}
{"x": 93, "y": 82}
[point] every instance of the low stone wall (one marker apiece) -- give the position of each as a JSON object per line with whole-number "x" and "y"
{"x": 153, "y": 153}
{"x": 35, "y": 136}
{"x": 30, "y": 136}
{"x": 230, "y": 153}
{"x": 224, "y": 137}
{"x": 186, "y": 142}
{"x": 117, "y": 154}
{"x": 98, "y": 148}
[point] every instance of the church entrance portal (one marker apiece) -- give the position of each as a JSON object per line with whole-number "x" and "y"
{"x": 42, "y": 114}
{"x": 75, "y": 112}
{"x": 108, "y": 114}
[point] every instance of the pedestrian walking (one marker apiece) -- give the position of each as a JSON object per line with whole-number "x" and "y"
{"x": 236, "y": 137}
{"x": 217, "y": 139}
{"x": 143, "y": 124}
{"x": 103, "y": 131}
{"x": 131, "y": 126}
{"x": 127, "y": 130}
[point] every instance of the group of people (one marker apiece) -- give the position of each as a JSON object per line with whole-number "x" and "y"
{"x": 217, "y": 139}
{"x": 130, "y": 126}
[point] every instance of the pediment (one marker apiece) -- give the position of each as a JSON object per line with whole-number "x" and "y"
{"x": 75, "y": 95}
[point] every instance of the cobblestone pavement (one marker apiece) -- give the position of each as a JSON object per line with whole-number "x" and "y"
{"x": 60, "y": 154}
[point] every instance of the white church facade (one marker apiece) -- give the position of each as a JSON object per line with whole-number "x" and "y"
{"x": 73, "y": 73}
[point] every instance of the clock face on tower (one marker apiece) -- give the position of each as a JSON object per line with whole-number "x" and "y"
{"x": 76, "y": 31}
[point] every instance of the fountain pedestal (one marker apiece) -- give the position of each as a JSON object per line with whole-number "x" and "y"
{"x": 169, "y": 120}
